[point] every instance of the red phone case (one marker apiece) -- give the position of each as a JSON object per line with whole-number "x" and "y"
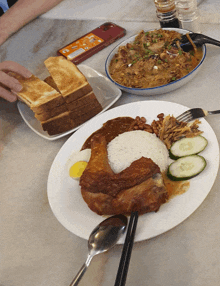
{"x": 91, "y": 43}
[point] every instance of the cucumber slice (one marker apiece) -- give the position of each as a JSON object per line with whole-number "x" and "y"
{"x": 187, "y": 146}
{"x": 186, "y": 167}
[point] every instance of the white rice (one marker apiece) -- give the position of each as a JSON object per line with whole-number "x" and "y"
{"x": 132, "y": 145}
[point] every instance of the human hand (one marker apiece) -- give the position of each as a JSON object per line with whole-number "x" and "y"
{"x": 9, "y": 86}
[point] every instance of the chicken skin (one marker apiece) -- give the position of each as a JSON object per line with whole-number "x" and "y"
{"x": 137, "y": 188}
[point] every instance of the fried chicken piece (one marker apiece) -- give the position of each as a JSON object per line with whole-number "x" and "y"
{"x": 137, "y": 188}
{"x": 145, "y": 197}
{"x": 98, "y": 176}
{"x": 98, "y": 202}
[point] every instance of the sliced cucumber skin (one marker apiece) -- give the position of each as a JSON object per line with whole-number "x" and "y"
{"x": 175, "y": 178}
{"x": 172, "y": 156}
{"x": 175, "y": 157}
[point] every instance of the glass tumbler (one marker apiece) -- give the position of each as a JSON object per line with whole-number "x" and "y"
{"x": 188, "y": 15}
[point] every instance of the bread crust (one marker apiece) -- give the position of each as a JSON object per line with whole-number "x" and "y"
{"x": 40, "y": 106}
{"x": 83, "y": 90}
{"x": 87, "y": 102}
{"x": 58, "y": 124}
{"x": 82, "y": 117}
{"x": 51, "y": 113}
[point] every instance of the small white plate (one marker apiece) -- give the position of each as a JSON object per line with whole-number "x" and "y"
{"x": 106, "y": 92}
{"x": 72, "y": 212}
{"x": 159, "y": 89}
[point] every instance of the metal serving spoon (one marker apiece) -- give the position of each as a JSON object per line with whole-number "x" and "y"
{"x": 102, "y": 238}
{"x": 197, "y": 39}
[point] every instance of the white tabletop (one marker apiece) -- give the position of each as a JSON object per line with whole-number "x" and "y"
{"x": 35, "y": 248}
{"x": 124, "y": 10}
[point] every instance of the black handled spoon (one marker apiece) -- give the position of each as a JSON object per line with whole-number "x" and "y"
{"x": 197, "y": 39}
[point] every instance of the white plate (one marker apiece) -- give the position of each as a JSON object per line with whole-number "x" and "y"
{"x": 106, "y": 92}
{"x": 159, "y": 89}
{"x": 73, "y": 213}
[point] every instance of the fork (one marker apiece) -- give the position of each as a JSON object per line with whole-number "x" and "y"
{"x": 194, "y": 113}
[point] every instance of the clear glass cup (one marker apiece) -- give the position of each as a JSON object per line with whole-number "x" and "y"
{"x": 188, "y": 15}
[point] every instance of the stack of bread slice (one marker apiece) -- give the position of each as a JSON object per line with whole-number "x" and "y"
{"x": 64, "y": 100}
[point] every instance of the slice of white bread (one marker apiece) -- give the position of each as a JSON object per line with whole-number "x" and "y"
{"x": 38, "y": 95}
{"x": 82, "y": 116}
{"x": 71, "y": 83}
{"x": 86, "y": 102}
{"x": 58, "y": 124}
{"x": 49, "y": 80}
{"x": 51, "y": 113}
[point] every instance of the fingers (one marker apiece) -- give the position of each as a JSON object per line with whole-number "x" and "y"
{"x": 6, "y": 94}
{"x": 9, "y": 86}
{"x": 10, "y": 82}
{"x": 15, "y": 67}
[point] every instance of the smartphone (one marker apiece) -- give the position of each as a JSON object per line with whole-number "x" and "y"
{"x": 91, "y": 43}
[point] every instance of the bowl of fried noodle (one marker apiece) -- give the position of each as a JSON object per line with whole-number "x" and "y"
{"x": 149, "y": 64}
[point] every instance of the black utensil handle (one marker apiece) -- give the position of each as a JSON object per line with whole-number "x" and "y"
{"x": 214, "y": 112}
{"x": 198, "y": 40}
{"x": 209, "y": 40}
{"x": 127, "y": 249}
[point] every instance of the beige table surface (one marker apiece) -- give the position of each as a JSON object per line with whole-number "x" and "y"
{"x": 35, "y": 248}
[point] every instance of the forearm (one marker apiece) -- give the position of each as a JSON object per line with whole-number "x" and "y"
{"x": 21, "y": 13}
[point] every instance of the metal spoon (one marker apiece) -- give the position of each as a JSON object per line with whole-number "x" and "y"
{"x": 102, "y": 238}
